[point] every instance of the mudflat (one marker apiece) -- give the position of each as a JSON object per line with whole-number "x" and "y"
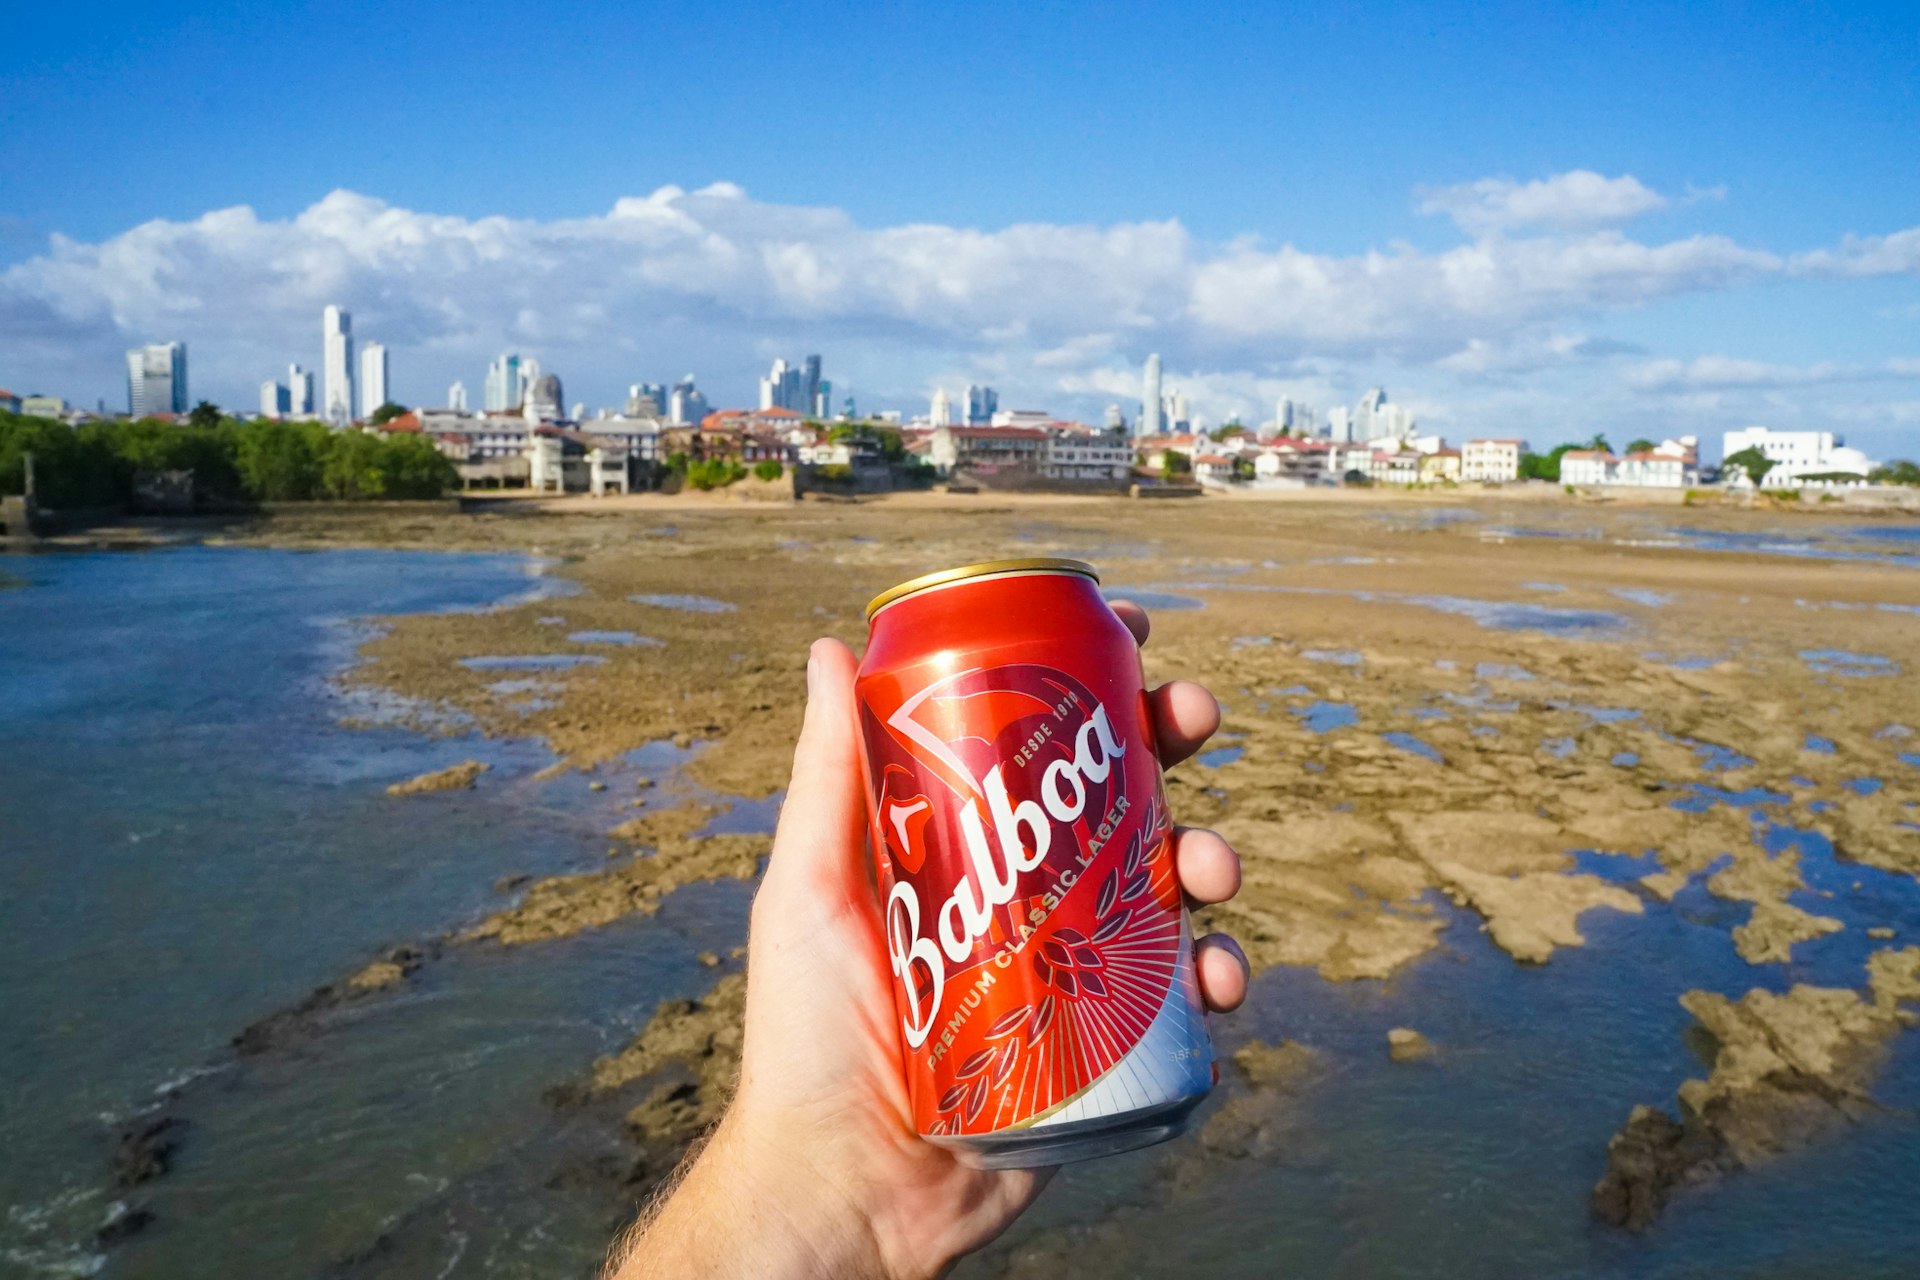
{"x": 1537, "y": 711}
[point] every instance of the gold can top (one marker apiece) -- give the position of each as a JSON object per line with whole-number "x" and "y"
{"x": 985, "y": 569}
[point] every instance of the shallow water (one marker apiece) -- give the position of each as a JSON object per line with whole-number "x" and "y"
{"x": 193, "y": 842}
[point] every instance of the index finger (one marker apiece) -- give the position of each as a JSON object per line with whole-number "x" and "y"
{"x": 1135, "y": 617}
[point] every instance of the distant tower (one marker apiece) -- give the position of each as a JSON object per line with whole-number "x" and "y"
{"x": 1150, "y": 420}
{"x": 457, "y": 397}
{"x": 373, "y": 378}
{"x": 299, "y": 391}
{"x": 336, "y": 385}
{"x": 157, "y": 379}
{"x": 941, "y": 414}
{"x": 982, "y": 404}
{"x": 273, "y": 399}
{"x": 810, "y": 384}
{"x": 544, "y": 399}
{"x": 1116, "y": 420}
{"x": 1368, "y": 422}
{"x": 505, "y": 389}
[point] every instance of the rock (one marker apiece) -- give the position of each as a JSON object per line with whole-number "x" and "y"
{"x": 1257, "y": 1112}
{"x": 145, "y": 1149}
{"x": 1404, "y": 1044}
{"x": 1529, "y": 915}
{"x": 1665, "y": 884}
{"x": 708, "y": 960}
{"x": 1650, "y": 1156}
{"x": 457, "y": 777}
{"x": 123, "y": 1221}
{"x": 596, "y": 786}
{"x": 299, "y": 1020}
{"x": 376, "y": 976}
{"x": 1879, "y": 930}
{"x": 1771, "y": 932}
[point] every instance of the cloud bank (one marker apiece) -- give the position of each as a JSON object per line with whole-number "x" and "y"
{"x": 717, "y": 282}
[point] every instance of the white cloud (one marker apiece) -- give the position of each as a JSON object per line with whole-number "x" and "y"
{"x": 717, "y": 282}
{"x": 1719, "y": 372}
{"x": 1566, "y": 201}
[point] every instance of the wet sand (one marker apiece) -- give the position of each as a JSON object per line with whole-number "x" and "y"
{"x": 1422, "y": 699}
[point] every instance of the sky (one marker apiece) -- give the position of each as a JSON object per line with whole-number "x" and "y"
{"x": 1539, "y": 219}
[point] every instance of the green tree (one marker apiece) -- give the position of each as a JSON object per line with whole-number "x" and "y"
{"x": 677, "y": 462}
{"x": 1175, "y": 465}
{"x": 1243, "y": 468}
{"x": 1546, "y": 466}
{"x": 282, "y": 461}
{"x": 1750, "y": 462}
{"x": 386, "y": 413}
{"x": 714, "y": 473}
{"x": 1897, "y": 472}
{"x": 1642, "y": 445}
{"x": 768, "y": 469}
{"x": 205, "y": 416}
{"x": 1227, "y": 431}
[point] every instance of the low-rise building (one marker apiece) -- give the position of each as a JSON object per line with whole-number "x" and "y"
{"x": 1798, "y": 457}
{"x": 560, "y": 460}
{"x": 9, "y": 402}
{"x": 1491, "y": 461}
{"x": 1441, "y": 466}
{"x": 1672, "y": 464}
{"x": 43, "y": 407}
{"x": 1087, "y": 455}
{"x": 1588, "y": 467}
{"x": 640, "y": 437}
{"x": 987, "y": 451}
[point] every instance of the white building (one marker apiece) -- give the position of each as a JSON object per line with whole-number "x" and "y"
{"x": 273, "y": 399}
{"x": 157, "y": 379}
{"x": 457, "y": 397}
{"x": 1672, "y": 464}
{"x": 299, "y": 391}
{"x": 1075, "y": 455}
{"x": 506, "y": 386}
{"x": 1796, "y": 455}
{"x": 1151, "y": 423}
{"x": 1036, "y": 418}
{"x": 336, "y": 384}
{"x": 1340, "y": 425}
{"x": 1491, "y": 461}
{"x": 940, "y": 414}
{"x": 373, "y": 378}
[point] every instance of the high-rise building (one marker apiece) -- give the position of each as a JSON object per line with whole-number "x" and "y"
{"x": 1340, "y": 425}
{"x": 686, "y": 407}
{"x": 506, "y": 381}
{"x": 373, "y": 378}
{"x": 457, "y": 397}
{"x": 1365, "y": 426}
{"x": 545, "y": 399}
{"x": 823, "y": 400}
{"x": 336, "y": 369}
{"x": 798, "y": 389}
{"x": 941, "y": 413}
{"x": 157, "y": 379}
{"x": 1115, "y": 420}
{"x": 1151, "y": 422}
{"x": 273, "y": 399}
{"x": 299, "y": 391}
{"x": 982, "y": 404}
{"x": 809, "y": 388}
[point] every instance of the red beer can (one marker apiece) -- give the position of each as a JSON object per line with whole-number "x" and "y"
{"x": 1041, "y": 952}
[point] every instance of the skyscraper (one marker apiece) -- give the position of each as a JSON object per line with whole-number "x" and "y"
{"x": 373, "y": 378}
{"x": 544, "y": 399}
{"x": 299, "y": 391}
{"x": 686, "y": 407}
{"x": 823, "y": 400}
{"x": 798, "y": 389}
{"x": 1151, "y": 423}
{"x": 157, "y": 379}
{"x": 504, "y": 386}
{"x": 1368, "y": 422}
{"x": 336, "y": 329}
{"x": 941, "y": 413}
{"x": 457, "y": 397}
{"x": 273, "y": 399}
{"x": 982, "y": 404}
{"x": 810, "y": 404}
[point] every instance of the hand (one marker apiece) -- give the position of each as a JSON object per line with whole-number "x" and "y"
{"x": 816, "y": 1169}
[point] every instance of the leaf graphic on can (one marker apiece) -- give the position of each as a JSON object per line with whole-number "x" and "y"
{"x": 1112, "y": 925}
{"x": 1069, "y": 935}
{"x": 1136, "y": 854}
{"x": 1092, "y": 984}
{"x": 975, "y": 1064}
{"x": 1008, "y": 1023}
{"x": 1008, "y": 1052}
{"x": 951, "y": 1098}
{"x": 1135, "y": 887}
{"x": 976, "y": 1100}
{"x": 1087, "y": 958}
{"x": 1109, "y": 890}
{"x": 1041, "y": 1020}
{"x": 1056, "y": 953}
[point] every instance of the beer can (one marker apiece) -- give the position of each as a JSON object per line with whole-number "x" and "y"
{"x": 1041, "y": 952}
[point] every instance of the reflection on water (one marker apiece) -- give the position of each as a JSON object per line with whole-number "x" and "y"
{"x": 532, "y": 661}
{"x": 1149, "y": 598}
{"x": 684, "y": 603}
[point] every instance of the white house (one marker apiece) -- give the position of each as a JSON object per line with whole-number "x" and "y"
{"x": 1796, "y": 455}
{"x": 1491, "y": 461}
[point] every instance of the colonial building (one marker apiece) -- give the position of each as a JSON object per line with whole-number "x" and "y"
{"x": 1491, "y": 461}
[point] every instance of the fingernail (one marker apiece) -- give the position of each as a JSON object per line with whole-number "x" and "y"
{"x": 812, "y": 666}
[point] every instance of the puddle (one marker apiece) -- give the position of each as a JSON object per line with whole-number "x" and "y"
{"x": 1817, "y": 743}
{"x": 1715, "y": 758}
{"x": 629, "y": 638}
{"x": 1220, "y": 755}
{"x": 1625, "y": 759}
{"x": 1558, "y": 748}
{"x": 1894, "y": 731}
{"x": 1843, "y": 662}
{"x": 684, "y": 603}
{"x": 1430, "y": 713}
{"x": 1250, "y": 642}
{"x": 1864, "y": 786}
{"x": 1637, "y": 595}
{"x": 1552, "y": 588}
{"x": 532, "y": 662}
{"x": 1325, "y": 717}
{"x": 1413, "y": 746}
{"x": 1910, "y": 758}
{"x": 1495, "y": 615}
{"x": 1501, "y": 671}
{"x": 551, "y": 622}
{"x": 1151, "y": 599}
{"x": 1693, "y": 663}
{"x": 1600, "y": 715}
{"x": 507, "y": 688}
{"x": 1338, "y": 657}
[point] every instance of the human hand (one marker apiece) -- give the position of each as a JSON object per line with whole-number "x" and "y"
{"x": 817, "y": 1169}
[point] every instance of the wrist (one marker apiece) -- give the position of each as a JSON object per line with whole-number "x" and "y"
{"x": 751, "y": 1207}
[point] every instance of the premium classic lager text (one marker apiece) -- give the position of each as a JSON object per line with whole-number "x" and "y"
{"x": 1041, "y": 954}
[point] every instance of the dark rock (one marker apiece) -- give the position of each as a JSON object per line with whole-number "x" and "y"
{"x": 123, "y": 1221}
{"x": 1647, "y": 1159}
{"x": 145, "y": 1149}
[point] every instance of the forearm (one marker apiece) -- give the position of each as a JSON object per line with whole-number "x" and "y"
{"x": 738, "y": 1215}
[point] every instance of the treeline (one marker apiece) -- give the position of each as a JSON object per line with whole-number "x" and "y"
{"x": 95, "y": 464}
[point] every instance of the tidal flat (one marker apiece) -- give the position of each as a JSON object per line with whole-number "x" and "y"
{"x": 1636, "y": 861}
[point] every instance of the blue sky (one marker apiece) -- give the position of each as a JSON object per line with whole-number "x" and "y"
{"x": 1284, "y": 144}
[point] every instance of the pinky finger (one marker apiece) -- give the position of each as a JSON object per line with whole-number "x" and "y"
{"x": 1223, "y": 972}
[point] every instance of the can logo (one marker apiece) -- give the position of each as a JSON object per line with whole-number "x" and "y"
{"x": 1033, "y": 922}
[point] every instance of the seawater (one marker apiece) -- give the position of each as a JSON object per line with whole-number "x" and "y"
{"x": 192, "y": 841}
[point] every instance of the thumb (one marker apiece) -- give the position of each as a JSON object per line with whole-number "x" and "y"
{"x": 823, "y": 822}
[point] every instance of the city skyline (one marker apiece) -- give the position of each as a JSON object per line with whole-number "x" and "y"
{"x": 1524, "y": 247}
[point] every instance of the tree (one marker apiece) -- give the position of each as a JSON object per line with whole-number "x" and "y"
{"x": 1538, "y": 466}
{"x": 205, "y": 416}
{"x": 1642, "y": 445}
{"x": 386, "y": 413}
{"x": 1243, "y": 468}
{"x": 281, "y": 461}
{"x": 1750, "y": 462}
{"x": 1227, "y": 431}
{"x": 1898, "y": 472}
{"x": 768, "y": 469}
{"x": 1598, "y": 444}
{"x": 1175, "y": 465}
